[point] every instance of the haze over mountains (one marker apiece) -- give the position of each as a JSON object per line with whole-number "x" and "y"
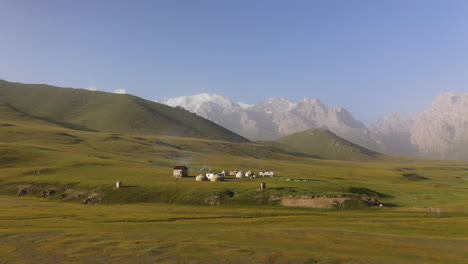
{"x": 441, "y": 131}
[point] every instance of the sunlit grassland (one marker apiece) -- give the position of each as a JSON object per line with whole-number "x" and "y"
{"x": 148, "y": 233}
{"x": 157, "y": 218}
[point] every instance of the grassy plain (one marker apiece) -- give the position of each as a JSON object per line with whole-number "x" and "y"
{"x": 37, "y": 231}
{"x": 158, "y": 219}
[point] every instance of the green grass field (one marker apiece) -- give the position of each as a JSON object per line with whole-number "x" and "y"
{"x": 156, "y": 218}
{"x": 38, "y": 231}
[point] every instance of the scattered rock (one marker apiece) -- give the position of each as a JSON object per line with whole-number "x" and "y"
{"x": 215, "y": 199}
{"x": 371, "y": 201}
{"x": 22, "y": 191}
{"x": 47, "y": 193}
{"x": 92, "y": 198}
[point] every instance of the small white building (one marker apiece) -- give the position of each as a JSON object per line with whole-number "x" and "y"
{"x": 180, "y": 171}
{"x": 268, "y": 173}
{"x": 118, "y": 184}
{"x": 239, "y": 174}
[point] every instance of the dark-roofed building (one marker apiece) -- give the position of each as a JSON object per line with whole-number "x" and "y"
{"x": 180, "y": 171}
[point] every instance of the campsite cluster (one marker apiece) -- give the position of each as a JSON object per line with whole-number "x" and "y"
{"x": 182, "y": 171}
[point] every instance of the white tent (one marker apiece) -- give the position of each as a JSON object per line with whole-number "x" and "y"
{"x": 201, "y": 177}
{"x": 217, "y": 177}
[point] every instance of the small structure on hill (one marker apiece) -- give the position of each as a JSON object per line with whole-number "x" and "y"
{"x": 268, "y": 173}
{"x": 239, "y": 174}
{"x": 262, "y": 186}
{"x": 180, "y": 171}
{"x": 201, "y": 177}
{"x": 118, "y": 184}
{"x": 217, "y": 177}
{"x": 233, "y": 173}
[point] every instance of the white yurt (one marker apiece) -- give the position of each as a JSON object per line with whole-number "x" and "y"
{"x": 239, "y": 174}
{"x": 201, "y": 177}
{"x": 217, "y": 177}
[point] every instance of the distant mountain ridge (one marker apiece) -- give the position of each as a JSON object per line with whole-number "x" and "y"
{"x": 269, "y": 119}
{"x": 439, "y": 132}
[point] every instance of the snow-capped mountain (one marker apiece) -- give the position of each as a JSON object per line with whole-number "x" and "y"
{"x": 269, "y": 119}
{"x": 439, "y": 132}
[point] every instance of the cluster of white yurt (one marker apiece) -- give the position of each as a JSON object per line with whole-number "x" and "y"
{"x": 212, "y": 176}
{"x": 219, "y": 176}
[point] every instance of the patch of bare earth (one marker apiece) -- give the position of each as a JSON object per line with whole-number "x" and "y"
{"x": 313, "y": 202}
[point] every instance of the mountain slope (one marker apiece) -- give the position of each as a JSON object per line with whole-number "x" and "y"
{"x": 8, "y": 113}
{"x": 327, "y": 145}
{"x": 274, "y": 117}
{"x": 121, "y": 113}
{"x": 439, "y": 132}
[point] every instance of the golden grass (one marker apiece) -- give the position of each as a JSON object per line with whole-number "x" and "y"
{"x": 143, "y": 233}
{"x": 175, "y": 225}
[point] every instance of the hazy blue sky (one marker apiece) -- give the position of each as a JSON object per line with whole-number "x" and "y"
{"x": 371, "y": 57}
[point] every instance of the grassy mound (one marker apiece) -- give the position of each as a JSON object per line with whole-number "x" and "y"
{"x": 324, "y": 144}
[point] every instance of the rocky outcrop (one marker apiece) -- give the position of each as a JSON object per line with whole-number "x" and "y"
{"x": 440, "y": 132}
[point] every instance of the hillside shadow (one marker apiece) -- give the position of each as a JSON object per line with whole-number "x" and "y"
{"x": 64, "y": 124}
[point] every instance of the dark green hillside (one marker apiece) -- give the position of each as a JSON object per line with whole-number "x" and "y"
{"x": 9, "y": 113}
{"x": 324, "y": 144}
{"x": 100, "y": 111}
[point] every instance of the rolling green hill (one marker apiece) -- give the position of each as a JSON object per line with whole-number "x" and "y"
{"x": 323, "y": 144}
{"x": 99, "y": 111}
{"x": 48, "y": 172}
